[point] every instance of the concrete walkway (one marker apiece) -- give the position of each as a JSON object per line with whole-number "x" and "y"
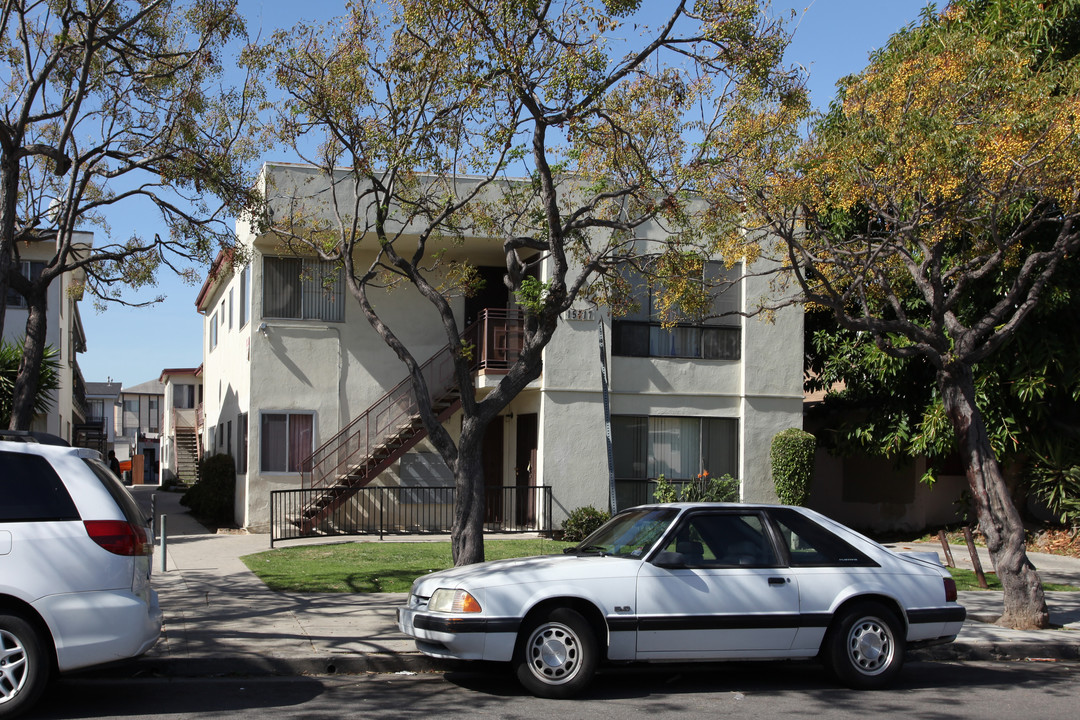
{"x": 221, "y": 619}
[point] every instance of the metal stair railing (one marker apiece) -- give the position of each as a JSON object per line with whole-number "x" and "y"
{"x": 347, "y": 458}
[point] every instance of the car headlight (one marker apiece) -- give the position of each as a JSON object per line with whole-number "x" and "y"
{"x": 448, "y": 600}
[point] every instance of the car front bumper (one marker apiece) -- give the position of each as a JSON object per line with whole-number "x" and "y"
{"x": 459, "y": 637}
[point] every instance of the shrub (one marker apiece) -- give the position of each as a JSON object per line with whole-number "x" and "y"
{"x": 582, "y": 522}
{"x": 711, "y": 489}
{"x": 213, "y": 496}
{"x": 665, "y": 492}
{"x": 792, "y": 456}
{"x": 703, "y": 488}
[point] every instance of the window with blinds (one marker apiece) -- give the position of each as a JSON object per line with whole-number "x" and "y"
{"x": 303, "y": 289}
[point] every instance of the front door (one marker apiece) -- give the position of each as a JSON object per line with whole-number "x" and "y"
{"x": 525, "y": 471}
{"x": 729, "y": 597}
{"x": 493, "y": 473}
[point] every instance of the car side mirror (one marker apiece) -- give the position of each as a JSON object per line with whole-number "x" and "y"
{"x": 670, "y": 560}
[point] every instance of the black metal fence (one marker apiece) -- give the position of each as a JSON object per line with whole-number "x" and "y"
{"x": 406, "y": 511}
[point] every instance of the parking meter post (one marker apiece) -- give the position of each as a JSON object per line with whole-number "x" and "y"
{"x": 164, "y": 543}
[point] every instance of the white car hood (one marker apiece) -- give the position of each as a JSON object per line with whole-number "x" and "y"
{"x": 526, "y": 570}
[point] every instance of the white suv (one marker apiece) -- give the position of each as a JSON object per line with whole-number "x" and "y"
{"x": 75, "y": 559}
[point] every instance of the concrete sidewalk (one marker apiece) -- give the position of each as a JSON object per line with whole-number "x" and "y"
{"x": 221, "y": 619}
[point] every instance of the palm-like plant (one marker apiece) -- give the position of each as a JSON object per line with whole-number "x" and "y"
{"x": 48, "y": 378}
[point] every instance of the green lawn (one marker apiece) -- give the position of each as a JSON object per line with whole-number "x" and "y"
{"x": 360, "y": 567}
{"x": 966, "y": 580}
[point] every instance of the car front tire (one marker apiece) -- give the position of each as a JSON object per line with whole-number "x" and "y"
{"x": 865, "y": 646}
{"x": 24, "y": 665}
{"x": 556, "y": 655}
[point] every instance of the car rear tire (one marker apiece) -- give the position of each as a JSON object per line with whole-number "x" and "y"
{"x": 24, "y": 665}
{"x": 865, "y": 646}
{"x": 556, "y": 655}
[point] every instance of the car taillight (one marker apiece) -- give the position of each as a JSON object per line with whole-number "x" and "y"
{"x": 119, "y": 537}
{"x": 950, "y": 590}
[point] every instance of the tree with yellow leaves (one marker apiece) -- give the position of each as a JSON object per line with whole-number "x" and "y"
{"x": 931, "y": 207}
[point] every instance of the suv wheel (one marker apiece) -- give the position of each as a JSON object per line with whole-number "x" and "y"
{"x": 24, "y": 665}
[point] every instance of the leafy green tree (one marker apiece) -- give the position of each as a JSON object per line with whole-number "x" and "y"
{"x": 104, "y": 104}
{"x": 931, "y": 209}
{"x": 48, "y": 379}
{"x": 1028, "y": 391}
{"x": 422, "y": 113}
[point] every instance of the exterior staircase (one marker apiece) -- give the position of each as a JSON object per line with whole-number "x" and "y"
{"x": 187, "y": 455}
{"x": 389, "y": 428}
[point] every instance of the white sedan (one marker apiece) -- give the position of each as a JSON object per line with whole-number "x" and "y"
{"x": 682, "y": 582}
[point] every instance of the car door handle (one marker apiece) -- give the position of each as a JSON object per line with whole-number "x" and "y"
{"x": 778, "y": 581}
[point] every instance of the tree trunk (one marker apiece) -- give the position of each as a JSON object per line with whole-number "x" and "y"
{"x": 999, "y": 519}
{"x": 467, "y": 534}
{"x": 26, "y": 381}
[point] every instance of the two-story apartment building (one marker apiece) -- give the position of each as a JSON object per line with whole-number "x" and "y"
{"x": 65, "y": 334}
{"x": 290, "y": 360}
{"x": 138, "y": 428}
{"x": 98, "y": 431}
{"x": 179, "y": 436}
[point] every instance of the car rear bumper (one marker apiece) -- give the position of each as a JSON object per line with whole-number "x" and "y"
{"x": 94, "y": 628}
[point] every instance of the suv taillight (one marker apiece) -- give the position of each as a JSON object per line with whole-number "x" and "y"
{"x": 950, "y": 590}
{"x": 119, "y": 537}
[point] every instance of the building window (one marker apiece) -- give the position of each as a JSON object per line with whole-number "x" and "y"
{"x": 679, "y": 448}
{"x": 228, "y": 438}
{"x": 213, "y": 331}
{"x": 155, "y": 413}
{"x": 244, "y": 295}
{"x": 717, "y": 335}
{"x": 302, "y": 288}
{"x": 183, "y": 397}
{"x": 286, "y": 440}
{"x": 230, "y": 307}
{"x": 31, "y": 270}
{"x": 241, "y": 442}
{"x": 131, "y": 417}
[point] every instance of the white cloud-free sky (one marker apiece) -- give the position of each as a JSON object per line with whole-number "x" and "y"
{"x": 833, "y": 38}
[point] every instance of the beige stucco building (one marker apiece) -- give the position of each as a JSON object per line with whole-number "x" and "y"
{"x": 289, "y": 360}
{"x": 64, "y": 333}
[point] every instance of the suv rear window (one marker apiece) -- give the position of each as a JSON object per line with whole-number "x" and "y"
{"x": 31, "y": 491}
{"x": 132, "y": 513}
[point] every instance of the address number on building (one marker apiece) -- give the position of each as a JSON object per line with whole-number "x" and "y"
{"x": 575, "y": 314}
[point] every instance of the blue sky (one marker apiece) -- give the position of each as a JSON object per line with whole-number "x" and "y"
{"x": 133, "y": 345}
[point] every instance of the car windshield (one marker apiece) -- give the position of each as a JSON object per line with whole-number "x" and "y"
{"x": 628, "y": 534}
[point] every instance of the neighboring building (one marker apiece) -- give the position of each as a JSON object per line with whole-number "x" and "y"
{"x": 65, "y": 333}
{"x": 102, "y": 404}
{"x": 138, "y": 430}
{"x": 290, "y": 360}
{"x": 180, "y": 450}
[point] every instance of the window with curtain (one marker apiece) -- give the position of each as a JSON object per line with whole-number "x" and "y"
{"x": 716, "y": 335}
{"x": 287, "y": 441}
{"x": 676, "y": 447}
{"x": 303, "y": 289}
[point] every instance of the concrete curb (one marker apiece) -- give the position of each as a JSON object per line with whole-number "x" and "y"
{"x": 390, "y": 663}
